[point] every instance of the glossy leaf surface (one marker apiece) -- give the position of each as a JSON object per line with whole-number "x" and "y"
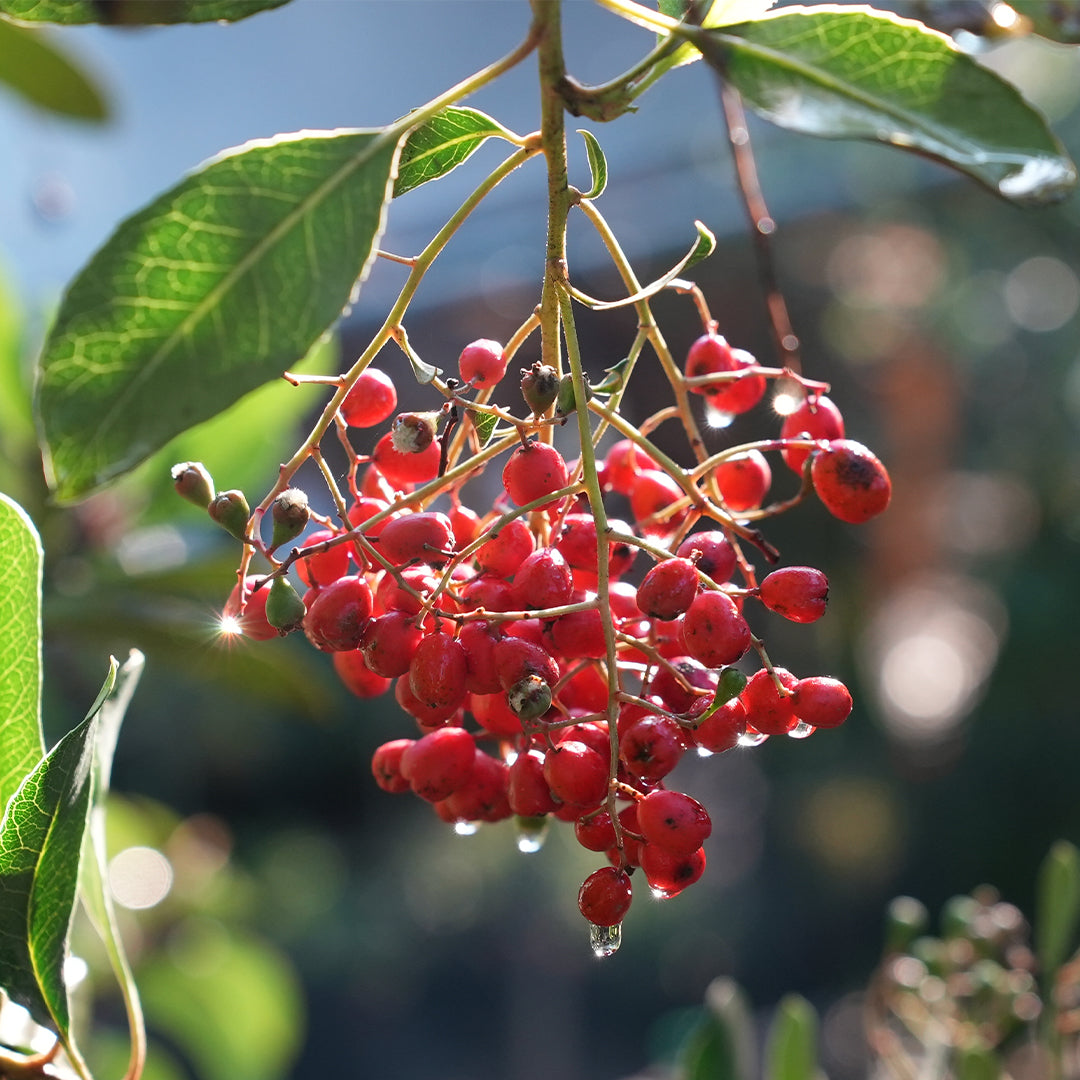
{"x": 441, "y": 145}
{"x": 219, "y": 285}
{"x": 134, "y": 12}
{"x": 851, "y": 72}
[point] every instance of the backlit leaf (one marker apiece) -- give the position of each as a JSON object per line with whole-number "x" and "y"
{"x": 219, "y": 285}
{"x": 134, "y": 12}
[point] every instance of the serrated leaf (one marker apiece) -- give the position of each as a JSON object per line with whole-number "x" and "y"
{"x": 597, "y": 165}
{"x": 854, "y": 73}
{"x": 41, "y": 838}
{"x": 20, "y": 647}
{"x": 791, "y": 1046}
{"x": 705, "y": 246}
{"x": 134, "y": 12}
{"x": 1057, "y": 910}
{"x": 216, "y": 287}
{"x": 485, "y": 424}
{"x": 439, "y": 146}
{"x": 720, "y": 1047}
{"x": 33, "y": 67}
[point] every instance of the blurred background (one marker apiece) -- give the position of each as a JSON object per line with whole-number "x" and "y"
{"x": 289, "y": 919}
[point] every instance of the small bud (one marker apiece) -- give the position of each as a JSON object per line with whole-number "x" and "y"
{"x": 530, "y": 697}
{"x": 194, "y": 483}
{"x": 412, "y": 433}
{"x": 285, "y": 610}
{"x": 566, "y": 402}
{"x": 539, "y": 387}
{"x": 290, "y": 513}
{"x": 230, "y": 510}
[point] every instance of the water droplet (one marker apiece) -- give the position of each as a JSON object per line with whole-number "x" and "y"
{"x": 605, "y": 940}
{"x": 716, "y": 419}
{"x": 752, "y": 738}
{"x": 466, "y": 828}
{"x": 802, "y": 730}
{"x": 702, "y": 752}
{"x": 1039, "y": 180}
{"x": 531, "y": 834}
{"x": 660, "y": 894}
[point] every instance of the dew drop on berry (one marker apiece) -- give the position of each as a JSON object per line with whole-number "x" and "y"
{"x": 802, "y": 730}
{"x": 466, "y": 828}
{"x": 752, "y": 738}
{"x": 531, "y": 834}
{"x": 605, "y": 940}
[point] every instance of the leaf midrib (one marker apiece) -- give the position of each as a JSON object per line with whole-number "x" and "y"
{"x": 213, "y": 297}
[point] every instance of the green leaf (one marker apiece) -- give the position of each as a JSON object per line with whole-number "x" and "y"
{"x": 214, "y": 288}
{"x": 42, "y": 74}
{"x": 485, "y": 424}
{"x": 95, "y": 893}
{"x": 730, "y": 685}
{"x": 134, "y": 12}
{"x": 722, "y": 13}
{"x": 1058, "y": 22}
{"x": 20, "y": 648}
{"x": 442, "y": 144}
{"x": 976, "y": 1063}
{"x": 851, "y": 72}
{"x": 1057, "y": 909}
{"x": 422, "y": 372}
{"x": 721, "y": 1046}
{"x": 597, "y": 165}
{"x": 705, "y": 246}
{"x": 791, "y": 1046}
{"x": 41, "y": 837}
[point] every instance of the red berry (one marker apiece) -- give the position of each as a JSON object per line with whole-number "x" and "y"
{"x": 653, "y": 493}
{"x": 673, "y": 821}
{"x": 506, "y": 550}
{"x": 668, "y": 589}
{"x": 490, "y": 593}
{"x": 482, "y": 363}
{"x": 515, "y": 658}
{"x": 533, "y": 471}
{"x": 578, "y": 546}
{"x": 744, "y": 480}
{"x": 624, "y": 461}
{"x": 339, "y": 615}
{"x": 576, "y": 774}
{"x": 386, "y": 765}
{"x": 580, "y": 634}
{"x": 438, "y": 671}
{"x": 723, "y": 729}
{"x": 595, "y": 833}
{"x": 439, "y": 763}
{"x": 651, "y": 747}
{"x": 466, "y": 525}
{"x": 354, "y": 672}
{"x": 252, "y": 624}
{"x": 710, "y": 355}
{"x": 404, "y": 469}
{"x": 850, "y": 481}
{"x": 483, "y": 796}
{"x": 605, "y": 896}
{"x": 390, "y": 642}
{"x": 715, "y": 555}
{"x": 799, "y": 593}
{"x": 478, "y": 639}
{"x": 427, "y": 716}
{"x": 390, "y": 596}
{"x": 528, "y": 792}
{"x": 667, "y": 873}
{"x": 426, "y": 537}
{"x": 714, "y": 631}
{"x": 543, "y": 580}
{"x": 325, "y": 566}
{"x": 821, "y": 702}
{"x": 494, "y": 715}
{"x": 767, "y": 710}
{"x": 815, "y": 418}
{"x": 371, "y": 400}
{"x": 672, "y": 694}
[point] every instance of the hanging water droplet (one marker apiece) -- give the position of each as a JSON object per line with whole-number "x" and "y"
{"x": 802, "y": 730}
{"x": 660, "y": 894}
{"x": 752, "y": 738}
{"x": 702, "y": 752}
{"x": 466, "y": 828}
{"x": 605, "y": 940}
{"x": 531, "y": 834}
{"x": 716, "y": 419}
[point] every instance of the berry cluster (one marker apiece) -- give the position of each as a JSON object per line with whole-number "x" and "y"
{"x": 551, "y": 672}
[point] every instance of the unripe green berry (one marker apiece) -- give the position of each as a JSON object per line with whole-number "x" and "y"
{"x": 194, "y": 483}
{"x": 530, "y": 697}
{"x": 412, "y": 433}
{"x": 285, "y": 610}
{"x": 290, "y": 513}
{"x": 539, "y": 387}
{"x": 566, "y": 402}
{"x": 230, "y": 510}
